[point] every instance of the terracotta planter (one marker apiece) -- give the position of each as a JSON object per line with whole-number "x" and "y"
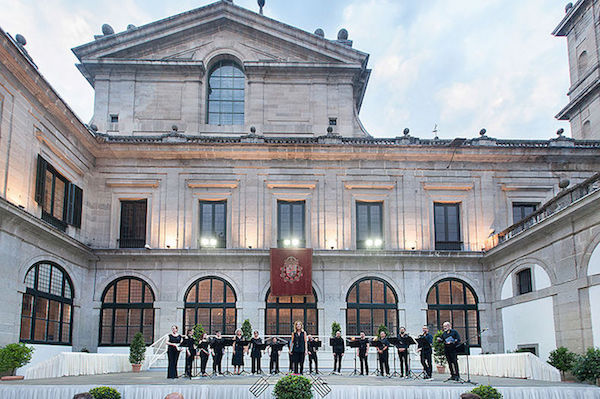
{"x": 136, "y": 368}
{"x": 12, "y": 378}
{"x": 441, "y": 369}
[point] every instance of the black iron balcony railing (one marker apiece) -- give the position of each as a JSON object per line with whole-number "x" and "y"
{"x": 564, "y": 199}
{"x": 132, "y": 242}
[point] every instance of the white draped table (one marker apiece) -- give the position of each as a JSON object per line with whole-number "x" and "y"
{"x": 512, "y": 365}
{"x": 79, "y": 363}
{"x": 192, "y": 391}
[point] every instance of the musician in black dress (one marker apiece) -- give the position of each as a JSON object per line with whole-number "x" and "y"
{"x": 173, "y": 341}
{"x": 384, "y": 365}
{"x": 274, "y": 349}
{"x": 299, "y": 347}
{"x": 338, "y": 352}
{"x": 451, "y": 339}
{"x": 203, "y": 351}
{"x": 425, "y": 349}
{"x": 311, "y": 342}
{"x": 255, "y": 353}
{"x": 218, "y": 347}
{"x": 363, "y": 352}
{"x": 238, "y": 353}
{"x": 403, "y": 346}
{"x": 190, "y": 351}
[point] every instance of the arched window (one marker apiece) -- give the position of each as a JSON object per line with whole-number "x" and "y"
{"x": 582, "y": 63}
{"x": 454, "y": 301}
{"x": 127, "y": 308}
{"x": 210, "y": 301}
{"x": 281, "y": 313}
{"x": 371, "y": 302}
{"x": 225, "y": 94}
{"x": 586, "y": 130}
{"x": 47, "y": 312}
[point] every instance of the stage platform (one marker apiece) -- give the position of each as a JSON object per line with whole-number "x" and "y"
{"x": 154, "y": 385}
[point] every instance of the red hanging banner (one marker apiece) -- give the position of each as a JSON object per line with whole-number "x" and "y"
{"x": 291, "y": 271}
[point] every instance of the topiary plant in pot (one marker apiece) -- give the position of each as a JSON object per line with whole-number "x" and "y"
{"x": 246, "y": 330}
{"x": 293, "y": 387}
{"x": 137, "y": 352}
{"x": 438, "y": 353}
{"x": 105, "y": 393}
{"x": 562, "y": 359}
{"x": 13, "y": 356}
{"x": 487, "y": 392}
{"x": 335, "y": 327}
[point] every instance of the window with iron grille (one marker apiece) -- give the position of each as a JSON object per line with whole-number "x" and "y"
{"x": 282, "y": 312}
{"x": 210, "y": 301}
{"x": 370, "y": 303}
{"x": 226, "y": 82}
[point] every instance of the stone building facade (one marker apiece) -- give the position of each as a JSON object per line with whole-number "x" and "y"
{"x": 154, "y": 198}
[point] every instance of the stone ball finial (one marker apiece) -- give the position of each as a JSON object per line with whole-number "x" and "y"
{"x": 406, "y": 131}
{"x": 563, "y": 183}
{"x": 329, "y": 129}
{"x": 482, "y": 132}
{"x": 107, "y": 30}
{"x": 174, "y": 128}
{"x": 252, "y": 130}
{"x": 130, "y": 26}
{"x": 568, "y": 7}
{"x": 94, "y": 127}
{"x": 560, "y": 132}
{"x": 343, "y": 34}
{"x": 20, "y": 39}
{"x": 320, "y": 32}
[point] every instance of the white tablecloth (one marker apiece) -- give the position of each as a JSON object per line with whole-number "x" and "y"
{"x": 192, "y": 391}
{"x": 513, "y": 365}
{"x": 78, "y": 363}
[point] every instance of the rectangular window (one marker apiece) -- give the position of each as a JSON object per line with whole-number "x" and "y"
{"x": 213, "y": 222}
{"x": 369, "y": 225}
{"x": 133, "y": 224}
{"x": 61, "y": 200}
{"x": 290, "y": 224}
{"x": 447, "y": 226}
{"x": 524, "y": 282}
{"x": 521, "y": 210}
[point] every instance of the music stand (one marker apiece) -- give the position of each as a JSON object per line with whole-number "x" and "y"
{"x": 201, "y": 345}
{"x": 378, "y": 344}
{"x": 410, "y": 373}
{"x": 331, "y": 344}
{"x": 244, "y": 343}
{"x": 353, "y": 343}
{"x": 423, "y": 344}
{"x": 227, "y": 342}
{"x": 262, "y": 347}
{"x": 279, "y": 348}
{"x": 396, "y": 342}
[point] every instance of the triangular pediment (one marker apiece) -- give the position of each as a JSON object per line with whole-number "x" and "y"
{"x": 218, "y": 27}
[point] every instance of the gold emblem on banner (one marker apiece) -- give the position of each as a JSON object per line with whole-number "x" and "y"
{"x": 291, "y": 271}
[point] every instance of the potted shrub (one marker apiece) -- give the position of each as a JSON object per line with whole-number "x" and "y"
{"x": 246, "y": 330}
{"x": 105, "y": 393}
{"x": 487, "y": 392}
{"x": 137, "y": 352}
{"x": 293, "y": 387}
{"x": 383, "y": 327}
{"x": 13, "y": 356}
{"x": 438, "y": 353}
{"x": 562, "y": 359}
{"x": 587, "y": 367}
{"x": 198, "y": 333}
{"x": 335, "y": 327}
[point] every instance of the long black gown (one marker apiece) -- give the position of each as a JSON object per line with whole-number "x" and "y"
{"x": 173, "y": 355}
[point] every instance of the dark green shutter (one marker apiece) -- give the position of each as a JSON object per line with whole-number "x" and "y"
{"x": 40, "y": 180}
{"x": 74, "y": 204}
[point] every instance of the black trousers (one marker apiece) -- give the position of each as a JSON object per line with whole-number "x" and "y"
{"x": 291, "y": 355}
{"x": 189, "y": 361}
{"x": 364, "y": 365}
{"x": 312, "y": 358}
{"x": 384, "y": 364}
{"x": 217, "y": 363}
{"x": 298, "y": 359}
{"x": 203, "y": 361}
{"x": 256, "y": 365}
{"x": 337, "y": 362}
{"x": 173, "y": 356}
{"x": 426, "y": 362}
{"x": 274, "y": 364}
{"x": 452, "y": 358}
{"x": 403, "y": 362}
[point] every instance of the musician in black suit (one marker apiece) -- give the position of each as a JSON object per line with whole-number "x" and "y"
{"x": 312, "y": 354}
{"x": 255, "y": 353}
{"x": 384, "y": 364}
{"x": 363, "y": 352}
{"x": 451, "y": 339}
{"x": 189, "y": 344}
{"x": 204, "y": 353}
{"x": 338, "y": 352}
{"x": 218, "y": 347}
{"x": 274, "y": 349}
{"x": 425, "y": 350}
{"x": 403, "y": 345}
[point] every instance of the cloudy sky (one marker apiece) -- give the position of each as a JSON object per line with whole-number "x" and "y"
{"x": 458, "y": 64}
